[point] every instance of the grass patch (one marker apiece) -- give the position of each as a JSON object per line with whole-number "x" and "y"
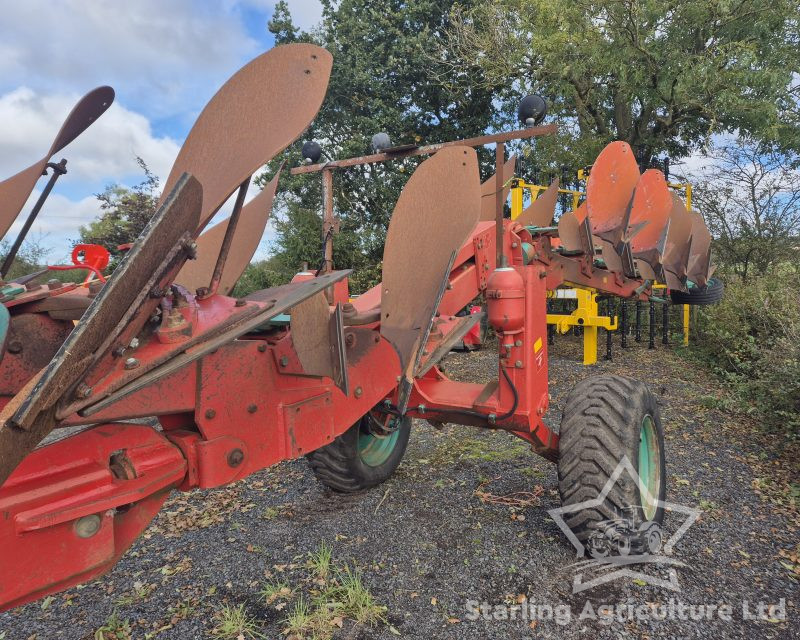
{"x": 273, "y": 591}
{"x": 323, "y": 599}
{"x": 114, "y": 629}
{"x": 139, "y": 592}
{"x": 234, "y": 623}
{"x": 319, "y": 561}
{"x": 488, "y": 449}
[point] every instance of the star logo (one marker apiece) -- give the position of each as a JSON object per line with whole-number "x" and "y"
{"x": 613, "y": 567}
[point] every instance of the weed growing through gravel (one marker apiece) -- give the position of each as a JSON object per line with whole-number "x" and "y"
{"x": 328, "y": 596}
{"x": 139, "y": 592}
{"x": 273, "y": 591}
{"x": 320, "y": 561}
{"x": 234, "y": 623}
{"x": 114, "y": 629}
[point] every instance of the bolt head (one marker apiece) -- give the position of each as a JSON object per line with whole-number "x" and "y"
{"x": 251, "y": 408}
{"x": 83, "y": 390}
{"x": 235, "y": 458}
{"x": 284, "y": 361}
{"x": 262, "y": 347}
{"x": 131, "y": 363}
{"x": 210, "y": 413}
{"x": 358, "y": 392}
{"x": 518, "y": 364}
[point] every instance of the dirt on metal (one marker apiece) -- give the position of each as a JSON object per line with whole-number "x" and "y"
{"x": 258, "y": 112}
{"x": 439, "y": 206}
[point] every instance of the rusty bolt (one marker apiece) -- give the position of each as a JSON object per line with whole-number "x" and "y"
{"x": 262, "y": 347}
{"x": 349, "y": 339}
{"x": 357, "y": 393}
{"x": 241, "y": 302}
{"x": 377, "y": 337}
{"x": 118, "y": 351}
{"x": 251, "y": 408}
{"x": 190, "y": 248}
{"x": 94, "y": 287}
{"x": 53, "y": 284}
{"x": 210, "y": 413}
{"x": 32, "y": 286}
{"x": 235, "y": 458}
{"x": 15, "y": 346}
{"x": 284, "y": 361}
{"x": 83, "y": 390}
{"x": 202, "y": 292}
{"x": 131, "y": 363}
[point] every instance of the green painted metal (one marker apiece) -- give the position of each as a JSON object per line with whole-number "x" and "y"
{"x": 649, "y": 468}
{"x": 375, "y": 450}
{"x": 5, "y": 322}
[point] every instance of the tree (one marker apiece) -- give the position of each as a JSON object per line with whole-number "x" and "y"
{"x": 124, "y": 214}
{"x": 385, "y": 78}
{"x": 750, "y": 198}
{"x": 662, "y": 76}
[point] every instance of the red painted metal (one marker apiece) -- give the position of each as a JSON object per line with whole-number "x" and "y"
{"x": 71, "y": 509}
{"x": 248, "y": 403}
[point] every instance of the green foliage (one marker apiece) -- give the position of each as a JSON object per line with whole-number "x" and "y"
{"x": 750, "y": 198}
{"x": 660, "y": 75}
{"x": 385, "y": 78}
{"x": 31, "y": 257}
{"x": 124, "y": 214}
{"x": 752, "y": 340}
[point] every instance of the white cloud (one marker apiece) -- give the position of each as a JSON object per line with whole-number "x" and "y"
{"x": 306, "y": 13}
{"x": 164, "y": 53}
{"x": 56, "y": 224}
{"x": 106, "y": 151}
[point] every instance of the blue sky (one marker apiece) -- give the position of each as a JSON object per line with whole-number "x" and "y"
{"x": 164, "y": 58}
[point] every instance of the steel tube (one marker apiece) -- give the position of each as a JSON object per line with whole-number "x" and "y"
{"x": 499, "y": 158}
{"x": 519, "y": 134}
{"x": 58, "y": 170}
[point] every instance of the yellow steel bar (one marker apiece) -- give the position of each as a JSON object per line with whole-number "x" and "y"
{"x": 516, "y": 200}
{"x": 687, "y": 187}
{"x": 586, "y": 316}
{"x": 686, "y": 325}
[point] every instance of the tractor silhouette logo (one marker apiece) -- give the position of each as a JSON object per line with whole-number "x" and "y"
{"x": 617, "y": 544}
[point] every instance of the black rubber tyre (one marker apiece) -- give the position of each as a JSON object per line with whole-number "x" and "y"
{"x": 711, "y": 293}
{"x": 341, "y": 466}
{"x": 604, "y": 419}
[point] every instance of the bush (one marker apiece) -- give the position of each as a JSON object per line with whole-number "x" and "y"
{"x": 752, "y": 340}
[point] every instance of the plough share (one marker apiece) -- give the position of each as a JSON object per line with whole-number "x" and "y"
{"x": 234, "y": 391}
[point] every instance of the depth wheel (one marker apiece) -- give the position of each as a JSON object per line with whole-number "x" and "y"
{"x": 605, "y": 419}
{"x": 362, "y": 457}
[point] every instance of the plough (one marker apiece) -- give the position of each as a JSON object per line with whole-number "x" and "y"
{"x": 235, "y": 393}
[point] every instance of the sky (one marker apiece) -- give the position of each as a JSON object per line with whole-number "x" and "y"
{"x": 164, "y": 58}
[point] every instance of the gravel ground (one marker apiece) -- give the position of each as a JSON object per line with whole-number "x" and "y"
{"x": 435, "y": 536}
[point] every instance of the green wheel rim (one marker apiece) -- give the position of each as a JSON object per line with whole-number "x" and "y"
{"x": 375, "y": 450}
{"x": 649, "y": 467}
